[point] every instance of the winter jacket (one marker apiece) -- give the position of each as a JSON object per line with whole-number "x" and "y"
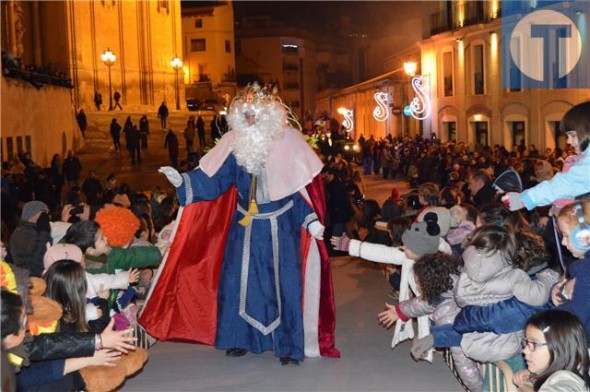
{"x": 135, "y": 257}
{"x": 27, "y": 247}
{"x": 60, "y": 345}
{"x": 488, "y": 279}
{"x": 578, "y": 304}
{"x": 564, "y": 185}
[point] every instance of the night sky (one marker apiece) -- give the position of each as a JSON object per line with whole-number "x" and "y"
{"x": 372, "y": 17}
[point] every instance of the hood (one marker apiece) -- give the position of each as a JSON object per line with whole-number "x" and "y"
{"x": 481, "y": 266}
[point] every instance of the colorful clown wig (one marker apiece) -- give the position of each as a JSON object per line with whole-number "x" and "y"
{"x": 118, "y": 225}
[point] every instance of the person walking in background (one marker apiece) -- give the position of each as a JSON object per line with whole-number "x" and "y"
{"x": 82, "y": 122}
{"x": 201, "y": 132}
{"x": 116, "y": 135}
{"x": 97, "y": 100}
{"x": 163, "y": 114}
{"x": 189, "y": 134}
{"x": 72, "y": 168}
{"x": 117, "y": 97}
{"x": 215, "y": 131}
{"x": 144, "y": 131}
{"x": 135, "y": 145}
{"x": 171, "y": 142}
{"x": 57, "y": 176}
{"x": 127, "y": 128}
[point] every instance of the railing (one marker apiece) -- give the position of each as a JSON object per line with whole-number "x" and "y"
{"x": 37, "y": 77}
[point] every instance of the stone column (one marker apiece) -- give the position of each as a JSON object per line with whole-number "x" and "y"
{"x": 37, "y": 55}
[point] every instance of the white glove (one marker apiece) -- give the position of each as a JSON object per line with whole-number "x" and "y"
{"x": 316, "y": 229}
{"x": 513, "y": 201}
{"x": 172, "y": 175}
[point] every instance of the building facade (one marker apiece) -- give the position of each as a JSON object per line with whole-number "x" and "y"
{"x": 461, "y": 60}
{"x": 71, "y": 36}
{"x": 209, "y": 47}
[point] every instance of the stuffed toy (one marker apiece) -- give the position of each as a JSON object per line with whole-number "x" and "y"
{"x": 45, "y": 317}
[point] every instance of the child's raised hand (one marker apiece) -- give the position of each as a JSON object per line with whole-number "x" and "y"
{"x": 388, "y": 317}
{"x": 556, "y": 295}
{"x": 103, "y": 293}
{"x": 341, "y": 243}
{"x": 118, "y": 340}
{"x": 133, "y": 275}
{"x": 105, "y": 358}
{"x": 521, "y": 378}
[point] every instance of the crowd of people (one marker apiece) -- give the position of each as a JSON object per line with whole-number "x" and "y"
{"x": 37, "y": 76}
{"x": 482, "y": 277}
{"x": 461, "y": 253}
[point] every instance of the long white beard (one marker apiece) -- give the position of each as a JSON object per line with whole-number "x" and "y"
{"x": 253, "y": 143}
{"x": 252, "y": 146}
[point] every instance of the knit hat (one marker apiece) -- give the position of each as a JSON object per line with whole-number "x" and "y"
{"x": 61, "y": 252}
{"x": 422, "y": 238}
{"x": 439, "y": 215}
{"x": 32, "y": 208}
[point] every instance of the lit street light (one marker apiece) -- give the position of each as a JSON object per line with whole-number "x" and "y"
{"x": 410, "y": 70}
{"x": 108, "y": 58}
{"x": 176, "y": 64}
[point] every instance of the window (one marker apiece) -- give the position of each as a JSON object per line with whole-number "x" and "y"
{"x": 198, "y": 45}
{"x": 481, "y": 133}
{"x": 448, "y": 73}
{"x": 478, "y": 69}
{"x": 452, "y": 131}
{"x": 9, "y": 147}
{"x": 517, "y": 132}
{"x": 28, "y": 144}
{"x": 515, "y": 76}
{"x": 19, "y": 144}
{"x": 198, "y": 23}
{"x": 227, "y": 46}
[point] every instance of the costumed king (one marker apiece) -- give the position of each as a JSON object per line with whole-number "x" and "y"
{"x": 244, "y": 272}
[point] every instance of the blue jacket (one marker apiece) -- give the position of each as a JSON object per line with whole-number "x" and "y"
{"x": 579, "y": 304}
{"x": 574, "y": 182}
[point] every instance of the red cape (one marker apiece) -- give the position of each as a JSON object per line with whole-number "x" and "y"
{"x": 182, "y": 305}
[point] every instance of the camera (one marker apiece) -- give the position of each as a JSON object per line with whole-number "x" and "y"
{"x": 77, "y": 210}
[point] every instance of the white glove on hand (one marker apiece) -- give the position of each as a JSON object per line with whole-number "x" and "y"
{"x": 172, "y": 175}
{"x": 316, "y": 229}
{"x": 513, "y": 201}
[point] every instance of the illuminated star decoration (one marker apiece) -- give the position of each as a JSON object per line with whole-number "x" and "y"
{"x": 380, "y": 113}
{"x": 420, "y": 106}
{"x": 312, "y": 141}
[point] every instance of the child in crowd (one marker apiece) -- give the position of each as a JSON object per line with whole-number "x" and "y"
{"x": 429, "y": 194}
{"x": 419, "y": 239}
{"x": 464, "y": 218}
{"x": 436, "y": 275}
{"x": 56, "y": 372}
{"x": 489, "y": 277}
{"x": 572, "y": 294}
{"x": 576, "y": 181}
{"x": 556, "y": 354}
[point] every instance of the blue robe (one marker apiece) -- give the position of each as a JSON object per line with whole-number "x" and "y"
{"x": 261, "y": 282}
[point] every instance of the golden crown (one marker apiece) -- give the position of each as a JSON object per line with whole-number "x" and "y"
{"x": 254, "y": 93}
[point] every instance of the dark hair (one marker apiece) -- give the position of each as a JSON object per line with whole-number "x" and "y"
{"x": 497, "y": 214}
{"x": 490, "y": 239}
{"x": 66, "y": 284}
{"x": 82, "y": 234}
{"x": 430, "y": 192}
{"x": 566, "y": 341}
{"x": 482, "y": 175}
{"x": 369, "y": 209}
{"x": 530, "y": 250}
{"x": 577, "y": 119}
{"x": 433, "y": 273}
{"x": 12, "y": 308}
{"x": 472, "y": 212}
{"x": 396, "y": 228}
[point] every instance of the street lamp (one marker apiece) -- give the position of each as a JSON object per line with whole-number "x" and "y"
{"x": 108, "y": 58}
{"x": 410, "y": 70}
{"x": 176, "y": 63}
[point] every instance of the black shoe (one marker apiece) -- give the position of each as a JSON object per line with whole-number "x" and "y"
{"x": 236, "y": 352}
{"x": 286, "y": 361}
